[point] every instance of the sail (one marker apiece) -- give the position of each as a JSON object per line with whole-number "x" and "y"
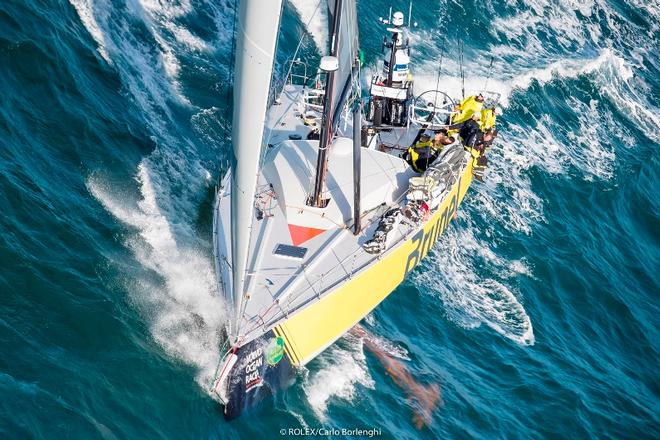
{"x": 257, "y": 25}
{"x": 344, "y": 44}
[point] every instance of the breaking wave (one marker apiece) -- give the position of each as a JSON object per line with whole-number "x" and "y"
{"x": 506, "y": 79}
{"x": 314, "y": 14}
{"x": 87, "y": 14}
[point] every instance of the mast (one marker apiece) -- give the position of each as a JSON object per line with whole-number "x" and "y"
{"x": 343, "y": 53}
{"x": 396, "y": 44}
{"x": 258, "y": 25}
{"x": 328, "y": 113}
{"x": 390, "y": 71}
{"x": 357, "y": 166}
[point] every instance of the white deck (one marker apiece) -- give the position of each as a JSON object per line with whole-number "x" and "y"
{"x": 279, "y": 285}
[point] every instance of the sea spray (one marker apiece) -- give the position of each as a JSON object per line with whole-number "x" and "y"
{"x": 183, "y": 308}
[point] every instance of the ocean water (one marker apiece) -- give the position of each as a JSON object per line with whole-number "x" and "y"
{"x": 536, "y": 313}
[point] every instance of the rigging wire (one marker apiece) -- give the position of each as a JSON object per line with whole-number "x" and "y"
{"x": 230, "y": 84}
{"x": 302, "y": 38}
{"x": 490, "y": 71}
{"x": 437, "y": 81}
{"x": 462, "y": 70}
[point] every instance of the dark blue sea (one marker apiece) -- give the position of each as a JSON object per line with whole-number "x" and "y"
{"x": 537, "y": 313}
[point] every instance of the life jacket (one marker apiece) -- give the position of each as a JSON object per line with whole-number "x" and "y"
{"x": 421, "y": 144}
{"x": 467, "y": 108}
{"x": 421, "y": 155}
{"x": 488, "y": 118}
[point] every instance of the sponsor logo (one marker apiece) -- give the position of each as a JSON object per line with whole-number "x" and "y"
{"x": 253, "y": 362}
{"x": 275, "y": 351}
{"x": 425, "y": 238}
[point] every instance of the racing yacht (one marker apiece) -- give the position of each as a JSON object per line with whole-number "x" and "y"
{"x": 319, "y": 219}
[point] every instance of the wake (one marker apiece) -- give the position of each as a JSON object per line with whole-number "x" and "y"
{"x": 339, "y": 370}
{"x": 471, "y": 299}
{"x": 180, "y": 303}
{"x": 175, "y": 289}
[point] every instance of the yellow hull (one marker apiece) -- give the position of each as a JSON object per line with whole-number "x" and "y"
{"x": 311, "y": 330}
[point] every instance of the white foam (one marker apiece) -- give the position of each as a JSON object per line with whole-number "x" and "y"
{"x": 148, "y": 73}
{"x": 468, "y": 298}
{"x": 559, "y": 19}
{"x": 140, "y": 65}
{"x": 391, "y": 348}
{"x": 301, "y": 420}
{"x": 339, "y": 372}
{"x": 169, "y": 10}
{"x": 607, "y": 63}
{"x": 183, "y": 308}
{"x": 568, "y": 68}
{"x": 565, "y": 20}
{"x": 185, "y": 37}
{"x": 652, "y": 10}
{"x": 313, "y": 15}
{"x": 158, "y": 16}
{"x": 589, "y": 145}
{"x": 86, "y": 12}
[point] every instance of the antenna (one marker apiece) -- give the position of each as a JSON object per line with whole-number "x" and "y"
{"x": 409, "y": 13}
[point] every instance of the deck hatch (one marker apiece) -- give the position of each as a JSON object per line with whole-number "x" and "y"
{"x": 286, "y": 250}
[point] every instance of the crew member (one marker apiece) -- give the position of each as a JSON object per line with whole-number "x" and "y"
{"x": 469, "y": 131}
{"x": 422, "y": 154}
{"x": 486, "y": 140}
{"x": 483, "y": 141}
{"x": 441, "y": 139}
{"x": 489, "y": 117}
{"x": 467, "y": 107}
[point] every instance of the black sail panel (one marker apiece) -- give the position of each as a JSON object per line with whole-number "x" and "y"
{"x": 345, "y": 45}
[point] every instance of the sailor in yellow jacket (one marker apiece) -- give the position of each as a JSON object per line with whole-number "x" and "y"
{"x": 488, "y": 133}
{"x": 422, "y": 153}
{"x": 467, "y": 107}
{"x": 465, "y": 111}
{"x": 489, "y": 117}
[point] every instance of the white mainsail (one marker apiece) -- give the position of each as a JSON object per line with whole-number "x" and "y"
{"x": 258, "y": 25}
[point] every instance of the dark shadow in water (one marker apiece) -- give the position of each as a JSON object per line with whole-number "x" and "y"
{"x": 204, "y": 220}
{"x": 424, "y": 398}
